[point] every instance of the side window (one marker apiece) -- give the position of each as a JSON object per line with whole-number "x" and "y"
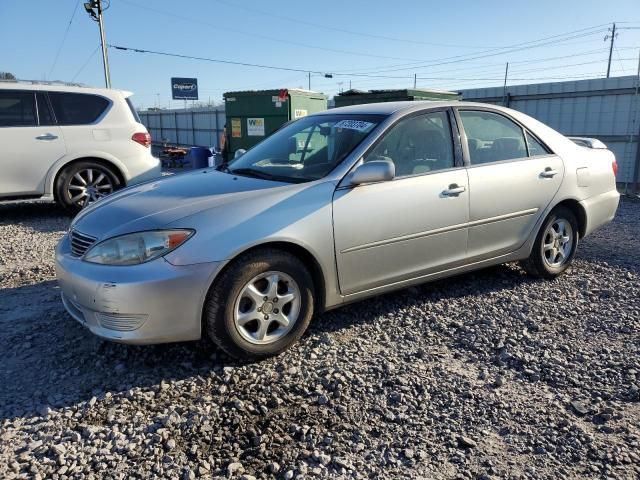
{"x": 535, "y": 147}
{"x": 44, "y": 112}
{"x": 77, "y": 108}
{"x": 417, "y": 145}
{"x": 17, "y": 109}
{"x": 492, "y": 137}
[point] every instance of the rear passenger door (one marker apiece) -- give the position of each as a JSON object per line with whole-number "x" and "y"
{"x": 513, "y": 177}
{"x": 79, "y": 115}
{"x": 30, "y": 142}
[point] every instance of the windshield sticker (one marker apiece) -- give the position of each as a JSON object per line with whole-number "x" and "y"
{"x": 359, "y": 125}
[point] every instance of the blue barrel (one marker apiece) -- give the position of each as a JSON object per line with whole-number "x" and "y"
{"x": 198, "y": 157}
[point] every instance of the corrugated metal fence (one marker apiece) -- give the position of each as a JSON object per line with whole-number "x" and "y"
{"x": 185, "y": 127}
{"x": 607, "y": 109}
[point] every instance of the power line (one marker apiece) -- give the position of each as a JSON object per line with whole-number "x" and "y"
{"x": 291, "y": 69}
{"x": 344, "y": 30}
{"x": 64, "y": 37}
{"x": 147, "y": 8}
{"x": 583, "y": 32}
{"x": 465, "y": 58}
{"x": 86, "y": 62}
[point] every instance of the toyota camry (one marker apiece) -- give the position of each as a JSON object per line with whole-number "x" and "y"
{"x": 332, "y": 208}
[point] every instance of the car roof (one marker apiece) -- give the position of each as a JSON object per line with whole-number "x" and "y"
{"x": 59, "y": 87}
{"x": 389, "y": 108}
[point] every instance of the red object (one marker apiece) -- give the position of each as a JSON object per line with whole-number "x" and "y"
{"x": 282, "y": 95}
{"x": 143, "y": 138}
{"x": 614, "y": 166}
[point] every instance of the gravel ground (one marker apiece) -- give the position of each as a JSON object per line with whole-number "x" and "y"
{"x": 486, "y": 375}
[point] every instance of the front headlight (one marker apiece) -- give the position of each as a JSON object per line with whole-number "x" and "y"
{"x": 135, "y": 248}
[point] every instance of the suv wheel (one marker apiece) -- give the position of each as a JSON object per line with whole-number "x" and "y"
{"x": 260, "y": 305}
{"x": 80, "y": 184}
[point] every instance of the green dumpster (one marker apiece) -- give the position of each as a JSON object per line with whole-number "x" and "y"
{"x": 357, "y": 97}
{"x": 254, "y": 115}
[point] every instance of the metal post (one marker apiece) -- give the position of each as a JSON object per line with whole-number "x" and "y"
{"x": 636, "y": 172}
{"x": 103, "y": 41}
{"x": 613, "y": 36}
{"x": 504, "y": 88}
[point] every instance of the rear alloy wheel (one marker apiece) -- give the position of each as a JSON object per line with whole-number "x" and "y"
{"x": 261, "y": 304}
{"x": 555, "y": 245}
{"x": 83, "y": 183}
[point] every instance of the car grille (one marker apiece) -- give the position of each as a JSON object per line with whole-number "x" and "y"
{"x": 80, "y": 243}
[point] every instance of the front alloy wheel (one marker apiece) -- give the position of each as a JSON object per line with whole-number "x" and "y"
{"x": 260, "y": 305}
{"x": 267, "y": 307}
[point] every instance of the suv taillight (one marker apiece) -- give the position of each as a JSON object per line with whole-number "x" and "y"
{"x": 614, "y": 166}
{"x": 143, "y": 138}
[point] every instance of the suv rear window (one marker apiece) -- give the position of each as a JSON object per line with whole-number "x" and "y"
{"x": 133, "y": 110}
{"x": 77, "y": 108}
{"x": 17, "y": 109}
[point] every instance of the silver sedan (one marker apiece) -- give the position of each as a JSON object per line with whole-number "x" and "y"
{"x": 332, "y": 208}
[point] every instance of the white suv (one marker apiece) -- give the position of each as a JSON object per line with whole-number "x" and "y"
{"x": 72, "y": 143}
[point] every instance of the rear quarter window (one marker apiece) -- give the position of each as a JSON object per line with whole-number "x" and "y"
{"x": 134, "y": 112}
{"x": 77, "y": 108}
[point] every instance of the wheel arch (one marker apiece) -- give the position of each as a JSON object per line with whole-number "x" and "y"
{"x": 297, "y": 250}
{"x": 578, "y": 210}
{"x": 107, "y": 163}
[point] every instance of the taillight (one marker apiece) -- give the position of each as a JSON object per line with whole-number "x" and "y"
{"x": 143, "y": 138}
{"x": 614, "y": 166}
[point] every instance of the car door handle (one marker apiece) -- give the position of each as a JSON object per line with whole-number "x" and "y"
{"x": 549, "y": 173}
{"x": 453, "y": 191}
{"x": 46, "y": 136}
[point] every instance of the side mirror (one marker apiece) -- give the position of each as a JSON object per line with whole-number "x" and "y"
{"x": 374, "y": 171}
{"x": 239, "y": 153}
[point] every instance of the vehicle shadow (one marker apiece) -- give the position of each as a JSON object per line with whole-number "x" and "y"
{"x": 49, "y": 360}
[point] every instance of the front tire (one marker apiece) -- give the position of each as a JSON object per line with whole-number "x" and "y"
{"x": 261, "y": 304}
{"x": 82, "y": 183}
{"x": 555, "y": 246}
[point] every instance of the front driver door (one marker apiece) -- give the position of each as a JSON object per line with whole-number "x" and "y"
{"x": 413, "y": 225}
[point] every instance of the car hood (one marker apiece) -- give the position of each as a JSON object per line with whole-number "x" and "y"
{"x": 155, "y": 204}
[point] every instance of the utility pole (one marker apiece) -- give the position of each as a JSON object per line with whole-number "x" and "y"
{"x": 415, "y": 79}
{"x": 504, "y": 88}
{"x": 309, "y": 80}
{"x": 612, "y": 37}
{"x": 94, "y": 8}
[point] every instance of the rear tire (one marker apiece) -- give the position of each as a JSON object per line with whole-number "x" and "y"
{"x": 261, "y": 304}
{"x": 555, "y": 245}
{"x": 82, "y": 183}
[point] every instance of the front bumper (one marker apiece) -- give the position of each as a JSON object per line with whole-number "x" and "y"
{"x": 154, "y": 302}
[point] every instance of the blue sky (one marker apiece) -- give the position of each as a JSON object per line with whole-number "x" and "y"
{"x": 387, "y": 39}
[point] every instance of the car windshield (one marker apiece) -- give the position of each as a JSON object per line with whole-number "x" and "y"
{"x": 306, "y": 149}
